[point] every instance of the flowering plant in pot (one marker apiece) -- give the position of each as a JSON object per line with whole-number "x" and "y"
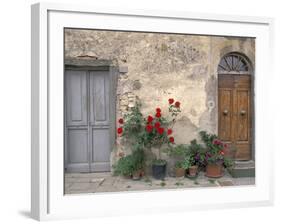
{"x": 145, "y": 133}
{"x": 195, "y": 155}
{"x": 158, "y": 132}
{"x": 215, "y": 155}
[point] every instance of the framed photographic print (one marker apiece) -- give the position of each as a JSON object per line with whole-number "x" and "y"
{"x": 167, "y": 111}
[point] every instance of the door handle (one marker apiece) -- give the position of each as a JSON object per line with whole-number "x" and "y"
{"x": 225, "y": 112}
{"x": 242, "y": 112}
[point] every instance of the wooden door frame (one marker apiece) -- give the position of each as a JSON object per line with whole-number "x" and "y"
{"x": 250, "y": 73}
{"x": 94, "y": 65}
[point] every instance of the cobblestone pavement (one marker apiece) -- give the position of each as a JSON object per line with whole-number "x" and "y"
{"x": 77, "y": 183}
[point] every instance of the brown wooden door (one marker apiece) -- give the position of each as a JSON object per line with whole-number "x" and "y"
{"x": 235, "y": 113}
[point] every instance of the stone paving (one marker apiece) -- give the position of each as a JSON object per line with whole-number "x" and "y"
{"x": 77, "y": 183}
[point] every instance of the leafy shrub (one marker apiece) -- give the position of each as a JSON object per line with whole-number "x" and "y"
{"x": 127, "y": 165}
{"x": 179, "y": 164}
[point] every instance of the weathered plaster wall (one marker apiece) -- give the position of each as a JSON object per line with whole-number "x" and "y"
{"x": 162, "y": 66}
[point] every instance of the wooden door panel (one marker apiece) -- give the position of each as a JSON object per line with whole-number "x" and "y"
{"x": 243, "y": 151}
{"x": 243, "y": 140}
{"x": 76, "y": 142}
{"x": 225, "y": 111}
{"x": 226, "y": 81}
{"x": 76, "y": 98}
{"x": 243, "y": 115}
{"x": 101, "y": 150}
{"x": 99, "y": 121}
{"x": 99, "y": 98}
{"x": 242, "y": 81}
{"x": 78, "y": 145}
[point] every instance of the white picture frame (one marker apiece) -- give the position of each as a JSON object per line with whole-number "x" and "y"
{"x": 48, "y": 201}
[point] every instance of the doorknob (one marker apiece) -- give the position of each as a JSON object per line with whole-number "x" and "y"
{"x": 242, "y": 112}
{"x": 225, "y": 112}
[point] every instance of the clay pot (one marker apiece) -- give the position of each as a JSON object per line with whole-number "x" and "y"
{"x": 180, "y": 172}
{"x": 137, "y": 175}
{"x": 214, "y": 170}
{"x": 142, "y": 173}
{"x": 193, "y": 170}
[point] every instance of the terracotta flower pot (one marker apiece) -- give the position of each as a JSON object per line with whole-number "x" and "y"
{"x": 142, "y": 173}
{"x": 137, "y": 175}
{"x": 193, "y": 170}
{"x": 214, "y": 170}
{"x": 180, "y": 172}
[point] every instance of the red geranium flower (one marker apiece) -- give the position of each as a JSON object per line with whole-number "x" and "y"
{"x": 222, "y": 153}
{"x": 158, "y": 114}
{"x": 157, "y": 124}
{"x": 169, "y": 131}
{"x": 217, "y": 142}
{"x": 171, "y": 101}
{"x": 171, "y": 139}
{"x": 121, "y": 121}
{"x": 177, "y": 104}
{"x": 160, "y": 131}
{"x": 149, "y": 128}
{"x": 119, "y": 130}
{"x": 158, "y": 110}
{"x": 149, "y": 119}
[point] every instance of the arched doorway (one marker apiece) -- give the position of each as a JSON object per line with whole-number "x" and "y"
{"x": 235, "y": 103}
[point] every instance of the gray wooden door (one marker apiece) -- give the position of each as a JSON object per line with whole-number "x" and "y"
{"x": 87, "y": 126}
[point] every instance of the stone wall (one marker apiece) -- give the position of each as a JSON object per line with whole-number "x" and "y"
{"x": 163, "y": 66}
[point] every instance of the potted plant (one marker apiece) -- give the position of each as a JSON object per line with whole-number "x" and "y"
{"x": 155, "y": 137}
{"x": 193, "y": 168}
{"x": 191, "y": 156}
{"x": 179, "y": 169}
{"x": 186, "y": 164}
{"x": 196, "y": 157}
{"x": 153, "y": 132}
{"x": 130, "y": 166}
{"x": 158, "y": 131}
{"x": 124, "y": 166}
{"x": 159, "y": 168}
{"x": 215, "y": 155}
{"x": 177, "y": 154}
{"x": 189, "y": 165}
{"x": 138, "y": 160}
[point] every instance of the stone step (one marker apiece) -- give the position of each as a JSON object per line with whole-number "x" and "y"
{"x": 243, "y": 169}
{"x": 244, "y": 164}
